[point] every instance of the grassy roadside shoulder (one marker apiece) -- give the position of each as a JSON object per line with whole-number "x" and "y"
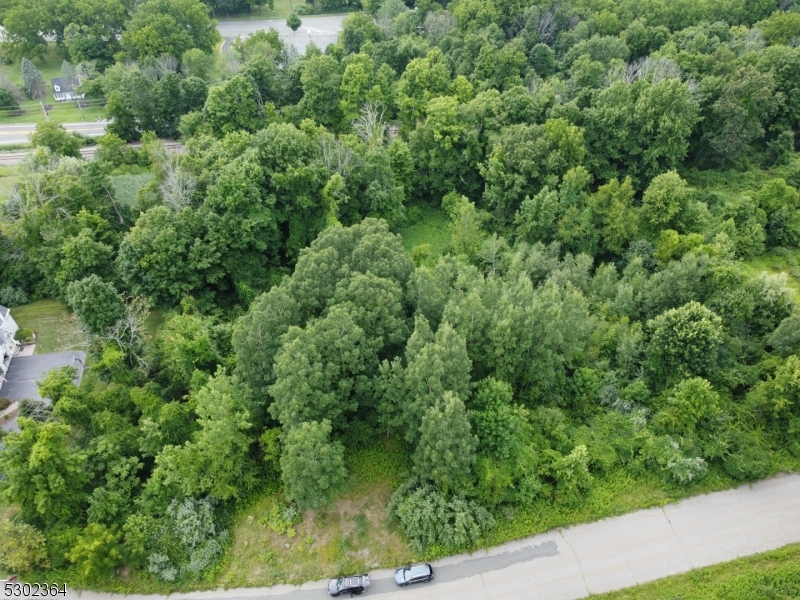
{"x": 771, "y": 575}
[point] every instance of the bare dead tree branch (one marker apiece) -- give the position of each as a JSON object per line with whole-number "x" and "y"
{"x": 370, "y": 125}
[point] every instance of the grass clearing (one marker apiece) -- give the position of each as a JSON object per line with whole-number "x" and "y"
{"x": 8, "y": 177}
{"x": 56, "y": 328}
{"x": 50, "y": 67}
{"x": 354, "y": 533}
{"x": 67, "y": 112}
{"x": 774, "y": 574}
{"x": 778, "y": 261}
{"x": 429, "y": 226}
{"x": 127, "y": 185}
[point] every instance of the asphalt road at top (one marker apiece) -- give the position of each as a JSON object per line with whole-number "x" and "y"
{"x": 320, "y": 30}
{"x": 573, "y": 563}
{"x": 20, "y": 133}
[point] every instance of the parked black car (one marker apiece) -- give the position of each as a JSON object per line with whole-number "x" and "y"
{"x": 355, "y": 584}
{"x": 416, "y": 574}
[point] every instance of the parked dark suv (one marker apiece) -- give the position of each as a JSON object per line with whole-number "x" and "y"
{"x": 355, "y": 584}
{"x": 416, "y": 574}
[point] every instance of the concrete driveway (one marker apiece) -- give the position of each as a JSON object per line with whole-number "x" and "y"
{"x": 25, "y": 371}
{"x": 321, "y": 30}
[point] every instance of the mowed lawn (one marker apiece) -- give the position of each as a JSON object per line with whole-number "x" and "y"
{"x": 67, "y": 112}
{"x": 56, "y": 328}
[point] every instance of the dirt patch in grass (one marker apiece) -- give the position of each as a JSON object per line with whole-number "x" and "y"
{"x": 354, "y": 533}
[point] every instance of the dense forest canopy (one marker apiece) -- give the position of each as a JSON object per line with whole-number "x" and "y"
{"x": 597, "y": 309}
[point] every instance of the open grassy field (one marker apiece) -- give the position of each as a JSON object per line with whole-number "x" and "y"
{"x": 56, "y": 328}
{"x": 772, "y": 575}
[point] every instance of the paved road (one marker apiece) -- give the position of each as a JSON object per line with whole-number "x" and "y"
{"x": 321, "y": 30}
{"x": 87, "y": 152}
{"x": 598, "y": 557}
{"x": 20, "y": 133}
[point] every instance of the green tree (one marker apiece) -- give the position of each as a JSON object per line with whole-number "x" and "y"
{"x": 257, "y": 336}
{"x": 157, "y": 259}
{"x": 232, "y": 106}
{"x": 524, "y": 158}
{"x": 738, "y": 116}
{"x": 571, "y": 473}
{"x": 44, "y": 474}
{"x": 665, "y": 115}
{"x": 446, "y": 449}
{"x": 613, "y": 213}
{"x": 57, "y": 384}
{"x": 52, "y": 135}
{"x": 96, "y": 552}
{"x": 318, "y": 368}
{"x": 216, "y": 461}
{"x": 123, "y": 121}
{"x": 780, "y": 202}
{"x": 171, "y": 27}
{"x": 781, "y": 27}
{"x": 196, "y": 63}
{"x": 185, "y": 344}
{"x": 293, "y": 22}
{"x": 22, "y": 547}
{"x": 499, "y": 425}
{"x": 312, "y": 467}
{"x": 424, "y": 79}
{"x": 32, "y": 79}
{"x": 684, "y": 342}
{"x": 96, "y": 302}
{"x": 321, "y": 80}
{"x": 358, "y": 28}
{"x": 664, "y": 200}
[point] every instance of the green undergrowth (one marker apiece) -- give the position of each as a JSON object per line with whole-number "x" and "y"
{"x": 427, "y": 226}
{"x": 353, "y": 533}
{"x": 772, "y": 575}
{"x": 781, "y": 260}
{"x": 127, "y": 185}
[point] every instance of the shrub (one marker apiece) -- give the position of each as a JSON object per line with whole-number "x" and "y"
{"x": 13, "y": 296}
{"x": 25, "y": 335}
{"x": 430, "y": 518}
{"x": 22, "y": 547}
{"x": 35, "y": 409}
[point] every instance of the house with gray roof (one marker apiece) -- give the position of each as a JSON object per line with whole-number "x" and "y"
{"x": 63, "y": 88}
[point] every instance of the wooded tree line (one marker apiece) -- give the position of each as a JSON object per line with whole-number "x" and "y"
{"x": 594, "y": 313}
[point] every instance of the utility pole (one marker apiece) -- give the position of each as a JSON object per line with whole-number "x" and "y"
{"x": 44, "y": 110}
